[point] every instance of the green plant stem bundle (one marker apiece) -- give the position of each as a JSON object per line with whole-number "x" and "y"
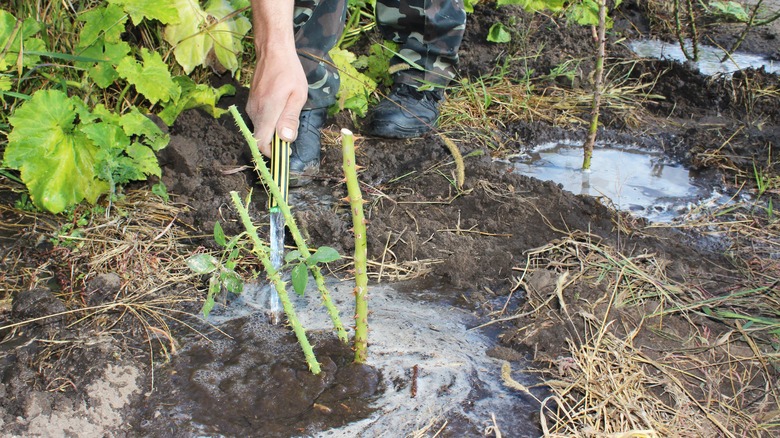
{"x": 276, "y": 279}
{"x": 265, "y": 174}
{"x": 361, "y": 248}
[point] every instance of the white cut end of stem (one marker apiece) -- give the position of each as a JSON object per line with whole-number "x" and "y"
{"x": 345, "y": 131}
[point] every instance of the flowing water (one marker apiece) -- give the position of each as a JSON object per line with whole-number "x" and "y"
{"x": 709, "y": 62}
{"x": 277, "y": 260}
{"x": 430, "y": 365}
{"x": 640, "y": 181}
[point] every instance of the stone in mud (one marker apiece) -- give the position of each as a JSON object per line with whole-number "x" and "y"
{"x": 354, "y": 380}
{"x": 103, "y": 288}
{"x": 36, "y": 303}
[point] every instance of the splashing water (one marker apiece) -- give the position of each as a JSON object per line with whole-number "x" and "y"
{"x": 277, "y": 259}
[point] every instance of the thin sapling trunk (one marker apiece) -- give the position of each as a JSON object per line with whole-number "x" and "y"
{"x": 598, "y": 80}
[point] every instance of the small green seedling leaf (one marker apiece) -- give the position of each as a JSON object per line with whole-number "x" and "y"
{"x": 231, "y": 281}
{"x": 324, "y": 254}
{"x": 499, "y": 34}
{"x": 292, "y": 256}
{"x": 160, "y": 190}
{"x": 203, "y": 263}
{"x": 219, "y": 235}
{"x": 300, "y": 278}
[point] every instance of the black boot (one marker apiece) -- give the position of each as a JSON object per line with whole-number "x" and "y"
{"x": 405, "y": 113}
{"x": 305, "y": 158}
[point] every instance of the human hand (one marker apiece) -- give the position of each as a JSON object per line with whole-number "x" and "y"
{"x": 276, "y": 96}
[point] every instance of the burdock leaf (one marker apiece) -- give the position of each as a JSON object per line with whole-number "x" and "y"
{"x": 202, "y": 263}
{"x": 199, "y": 32}
{"x": 162, "y": 11}
{"x": 56, "y": 160}
{"x": 226, "y": 33}
{"x": 152, "y": 78}
{"x": 324, "y": 254}
{"x": 105, "y": 23}
{"x": 300, "y": 278}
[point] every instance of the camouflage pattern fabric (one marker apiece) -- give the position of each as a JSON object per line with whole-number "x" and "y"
{"x": 429, "y": 33}
{"x": 318, "y": 26}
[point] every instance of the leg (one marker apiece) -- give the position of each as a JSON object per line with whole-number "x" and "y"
{"x": 318, "y": 27}
{"x": 429, "y": 32}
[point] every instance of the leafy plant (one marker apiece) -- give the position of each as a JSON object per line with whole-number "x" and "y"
{"x": 299, "y": 274}
{"x": 85, "y": 139}
{"x": 498, "y": 33}
{"x": 223, "y": 274}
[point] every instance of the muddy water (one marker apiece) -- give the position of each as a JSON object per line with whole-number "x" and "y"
{"x": 635, "y": 180}
{"x": 426, "y": 366}
{"x": 709, "y": 62}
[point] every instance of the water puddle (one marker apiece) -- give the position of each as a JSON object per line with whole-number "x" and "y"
{"x": 639, "y": 181}
{"x": 429, "y": 369}
{"x": 709, "y": 57}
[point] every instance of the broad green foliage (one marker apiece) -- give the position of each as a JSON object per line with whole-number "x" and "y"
{"x": 55, "y": 158}
{"x": 210, "y": 36}
{"x": 730, "y": 10}
{"x": 582, "y": 12}
{"x": 67, "y": 154}
{"x": 162, "y": 11}
{"x": 18, "y": 37}
{"x": 195, "y": 96}
{"x": 152, "y": 78}
{"x": 356, "y": 87}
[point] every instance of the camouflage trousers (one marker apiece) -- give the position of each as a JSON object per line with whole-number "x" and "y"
{"x": 429, "y": 33}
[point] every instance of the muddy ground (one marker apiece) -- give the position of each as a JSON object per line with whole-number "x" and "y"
{"x": 60, "y": 377}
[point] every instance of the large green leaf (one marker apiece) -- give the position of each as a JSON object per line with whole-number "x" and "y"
{"x": 55, "y": 159}
{"x": 210, "y": 37}
{"x": 355, "y": 86}
{"x": 136, "y": 124}
{"x": 152, "y": 78}
{"x": 535, "y": 5}
{"x": 226, "y": 33}
{"x": 162, "y": 11}
{"x": 195, "y": 95}
{"x": 106, "y": 23}
{"x": 18, "y": 37}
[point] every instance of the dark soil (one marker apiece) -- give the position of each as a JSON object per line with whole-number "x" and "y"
{"x": 471, "y": 241}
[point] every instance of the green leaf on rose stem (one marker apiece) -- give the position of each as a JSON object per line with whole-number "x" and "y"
{"x": 324, "y": 254}
{"x": 164, "y": 12}
{"x": 292, "y": 256}
{"x": 232, "y": 281}
{"x": 56, "y": 160}
{"x": 210, "y": 37}
{"x": 219, "y": 235}
{"x": 300, "y": 278}
{"x": 208, "y": 305}
{"x": 203, "y": 263}
{"x": 499, "y": 34}
{"x": 152, "y": 78}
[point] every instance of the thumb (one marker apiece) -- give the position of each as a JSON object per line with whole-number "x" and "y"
{"x": 287, "y": 127}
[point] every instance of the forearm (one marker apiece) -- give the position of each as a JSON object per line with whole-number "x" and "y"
{"x": 272, "y": 24}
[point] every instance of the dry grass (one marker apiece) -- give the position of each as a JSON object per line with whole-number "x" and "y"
{"x": 641, "y": 360}
{"x": 141, "y": 242}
